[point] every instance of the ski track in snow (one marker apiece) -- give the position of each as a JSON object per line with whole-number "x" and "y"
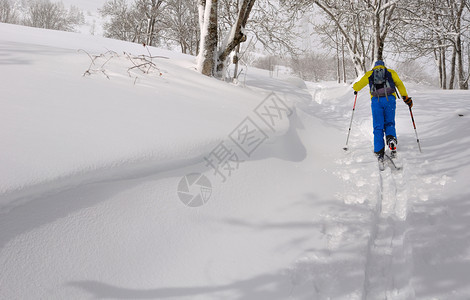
{"x": 388, "y": 261}
{"x": 387, "y": 269}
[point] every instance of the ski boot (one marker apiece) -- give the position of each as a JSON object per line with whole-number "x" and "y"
{"x": 380, "y": 157}
{"x": 392, "y": 144}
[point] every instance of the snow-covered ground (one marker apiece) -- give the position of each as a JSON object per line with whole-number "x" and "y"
{"x": 93, "y": 197}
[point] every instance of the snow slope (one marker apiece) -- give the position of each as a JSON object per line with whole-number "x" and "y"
{"x": 44, "y": 70}
{"x": 90, "y": 169}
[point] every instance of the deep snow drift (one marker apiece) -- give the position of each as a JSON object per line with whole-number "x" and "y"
{"x": 93, "y": 170}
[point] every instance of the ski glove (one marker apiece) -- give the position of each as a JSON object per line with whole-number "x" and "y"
{"x": 355, "y": 92}
{"x": 408, "y": 101}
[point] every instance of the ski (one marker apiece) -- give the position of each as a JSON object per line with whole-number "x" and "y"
{"x": 381, "y": 164}
{"x": 390, "y": 159}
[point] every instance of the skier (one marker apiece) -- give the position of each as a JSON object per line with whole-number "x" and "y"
{"x": 382, "y": 82}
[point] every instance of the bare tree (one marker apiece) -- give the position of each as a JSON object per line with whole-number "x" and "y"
{"x": 212, "y": 29}
{"x": 8, "y": 13}
{"x": 48, "y": 15}
{"x": 235, "y": 37}
{"x": 350, "y": 23}
{"x": 274, "y": 25}
{"x": 209, "y": 37}
{"x": 154, "y": 22}
{"x": 148, "y": 13}
{"x": 457, "y": 9}
{"x": 434, "y": 28}
{"x": 137, "y": 22}
{"x": 181, "y": 25}
{"x": 270, "y": 22}
{"x": 363, "y": 25}
{"x": 331, "y": 38}
{"x": 122, "y": 23}
{"x": 313, "y": 66}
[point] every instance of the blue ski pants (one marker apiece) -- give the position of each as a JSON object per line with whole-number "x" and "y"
{"x": 383, "y": 119}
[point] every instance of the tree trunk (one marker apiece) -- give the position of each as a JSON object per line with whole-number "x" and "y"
{"x": 463, "y": 82}
{"x": 343, "y": 61}
{"x": 236, "y": 62}
{"x": 201, "y": 5}
{"x": 210, "y": 61}
{"x": 209, "y": 39}
{"x": 438, "y": 59}
{"x": 338, "y": 68}
{"x": 468, "y": 67}
{"x": 378, "y": 42}
{"x": 236, "y": 36}
{"x": 150, "y": 31}
{"x": 452, "y": 69}
{"x": 338, "y": 62}
{"x": 444, "y": 68}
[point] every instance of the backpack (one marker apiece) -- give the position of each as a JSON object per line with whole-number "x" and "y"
{"x": 381, "y": 83}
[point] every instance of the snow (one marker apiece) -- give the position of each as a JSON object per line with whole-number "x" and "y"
{"x": 90, "y": 168}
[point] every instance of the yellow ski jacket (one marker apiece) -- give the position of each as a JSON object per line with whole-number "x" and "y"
{"x": 359, "y": 85}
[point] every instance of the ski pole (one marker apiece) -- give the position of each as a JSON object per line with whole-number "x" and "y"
{"x": 350, "y": 124}
{"x": 416, "y": 132}
{"x": 414, "y": 125}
